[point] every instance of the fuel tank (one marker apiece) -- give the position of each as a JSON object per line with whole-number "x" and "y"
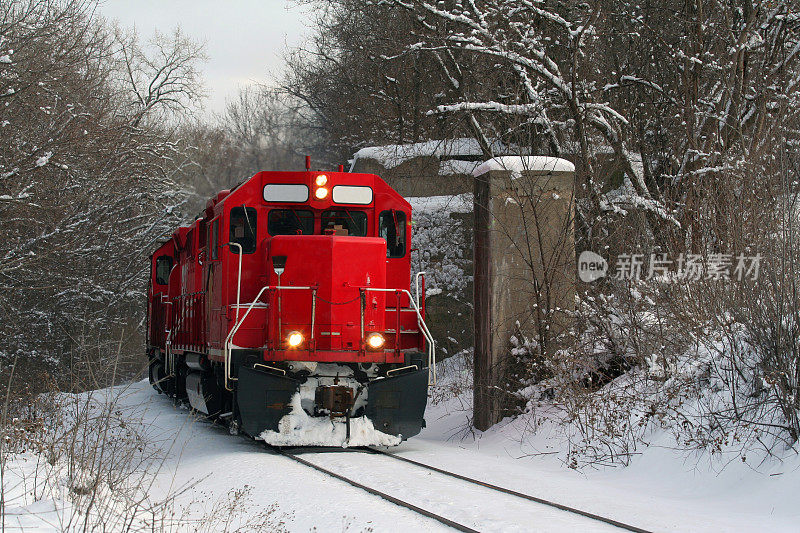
{"x": 342, "y": 269}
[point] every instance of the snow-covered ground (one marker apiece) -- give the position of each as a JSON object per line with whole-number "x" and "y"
{"x": 663, "y": 489}
{"x": 216, "y": 480}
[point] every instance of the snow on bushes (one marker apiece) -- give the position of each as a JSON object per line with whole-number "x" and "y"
{"x": 439, "y": 238}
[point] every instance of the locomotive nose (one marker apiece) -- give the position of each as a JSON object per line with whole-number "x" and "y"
{"x": 341, "y": 270}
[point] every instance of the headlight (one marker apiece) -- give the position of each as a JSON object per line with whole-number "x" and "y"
{"x": 321, "y": 193}
{"x": 321, "y": 180}
{"x": 375, "y": 341}
{"x": 294, "y": 339}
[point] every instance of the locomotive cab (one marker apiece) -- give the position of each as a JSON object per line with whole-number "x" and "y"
{"x": 291, "y": 311}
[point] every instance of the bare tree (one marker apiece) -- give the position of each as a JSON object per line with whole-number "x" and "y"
{"x": 163, "y": 77}
{"x": 260, "y": 129}
{"x": 86, "y": 177}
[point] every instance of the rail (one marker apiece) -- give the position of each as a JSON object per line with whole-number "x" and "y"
{"x": 397, "y": 501}
{"x": 416, "y": 285}
{"x": 536, "y": 499}
{"x": 188, "y": 315}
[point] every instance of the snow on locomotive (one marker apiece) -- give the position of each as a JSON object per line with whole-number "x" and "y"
{"x": 286, "y": 310}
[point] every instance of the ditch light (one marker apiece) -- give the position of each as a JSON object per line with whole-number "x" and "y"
{"x": 294, "y": 339}
{"x": 375, "y": 341}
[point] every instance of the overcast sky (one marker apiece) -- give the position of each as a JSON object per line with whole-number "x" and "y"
{"x": 245, "y": 39}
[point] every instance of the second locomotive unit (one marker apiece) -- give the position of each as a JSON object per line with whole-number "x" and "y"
{"x": 286, "y": 310}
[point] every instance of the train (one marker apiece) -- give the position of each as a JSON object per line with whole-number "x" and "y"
{"x": 286, "y": 312}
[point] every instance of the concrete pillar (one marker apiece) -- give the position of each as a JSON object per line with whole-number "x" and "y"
{"x": 524, "y": 266}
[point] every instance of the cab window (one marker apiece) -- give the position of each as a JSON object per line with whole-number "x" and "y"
{"x": 215, "y": 239}
{"x": 392, "y": 227}
{"x": 290, "y": 222}
{"x": 201, "y": 234}
{"x": 189, "y": 249}
{"x": 163, "y": 267}
{"x": 352, "y": 223}
{"x": 243, "y": 229}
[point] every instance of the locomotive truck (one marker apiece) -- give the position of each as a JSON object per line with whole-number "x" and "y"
{"x": 285, "y": 310}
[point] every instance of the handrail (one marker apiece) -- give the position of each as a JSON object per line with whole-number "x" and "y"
{"x": 423, "y": 327}
{"x": 238, "y": 324}
{"x": 169, "y": 357}
{"x": 416, "y": 284}
{"x": 238, "y": 278}
{"x": 312, "y": 342}
{"x": 392, "y": 371}
{"x": 259, "y": 365}
{"x": 167, "y": 345}
{"x": 226, "y": 349}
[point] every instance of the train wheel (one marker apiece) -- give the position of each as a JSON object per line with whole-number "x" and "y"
{"x": 158, "y": 377}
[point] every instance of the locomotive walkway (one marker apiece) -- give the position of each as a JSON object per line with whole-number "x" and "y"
{"x": 294, "y": 454}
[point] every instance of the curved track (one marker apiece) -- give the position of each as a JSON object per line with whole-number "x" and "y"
{"x": 444, "y": 520}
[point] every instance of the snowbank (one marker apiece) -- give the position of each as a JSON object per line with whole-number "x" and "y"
{"x": 664, "y": 488}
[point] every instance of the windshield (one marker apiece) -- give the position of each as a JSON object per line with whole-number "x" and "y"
{"x": 290, "y": 222}
{"x": 353, "y": 223}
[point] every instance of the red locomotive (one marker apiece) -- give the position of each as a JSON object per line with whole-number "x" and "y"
{"x": 285, "y": 309}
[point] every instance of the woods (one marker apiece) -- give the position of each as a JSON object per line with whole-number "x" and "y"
{"x": 88, "y": 163}
{"x": 101, "y": 159}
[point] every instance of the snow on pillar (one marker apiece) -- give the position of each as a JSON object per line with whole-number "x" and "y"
{"x": 524, "y": 267}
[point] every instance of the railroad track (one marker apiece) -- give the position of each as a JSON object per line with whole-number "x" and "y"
{"x": 435, "y": 516}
